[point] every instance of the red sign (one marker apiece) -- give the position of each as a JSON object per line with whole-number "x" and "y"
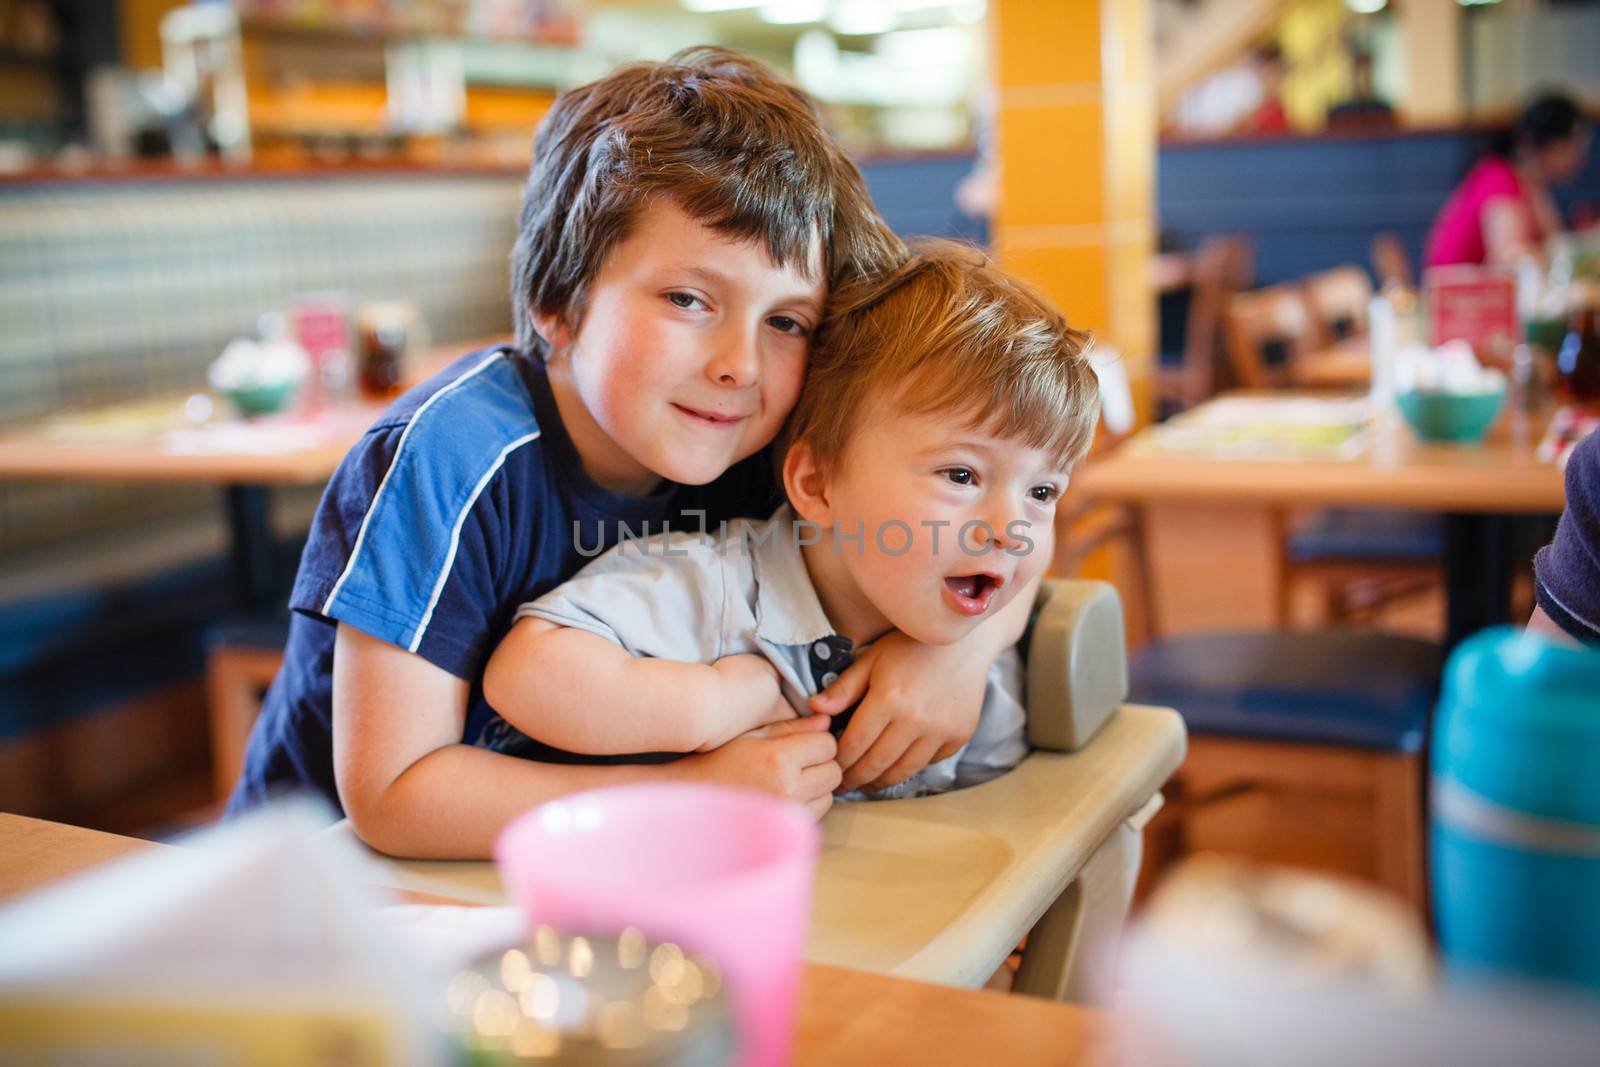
{"x": 321, "y": 325}
{"x": 1473, "y": 304}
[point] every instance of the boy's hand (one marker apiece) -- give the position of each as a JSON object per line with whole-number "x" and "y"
{"x": 921, "y": 704}
{"x": 792, "y": 759}
{"x": 753, "y": 695}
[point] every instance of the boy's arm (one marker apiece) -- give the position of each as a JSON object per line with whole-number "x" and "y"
{"x": 919, "y": 703}
{"x": 580, "y": 692}
{"x": 411, "y": 788}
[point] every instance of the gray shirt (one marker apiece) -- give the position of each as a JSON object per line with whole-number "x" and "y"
{"x": 697, "y": 597}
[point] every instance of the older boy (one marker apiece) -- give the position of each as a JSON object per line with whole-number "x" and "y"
{"x": 1566, "y": 572}
{"x": 681, "y": 224}
{"x": 945, "y": 408}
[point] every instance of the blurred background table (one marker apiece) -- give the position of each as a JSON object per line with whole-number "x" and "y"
{"x": 846, "y": 1017}
{"x": 1480, "y": 489}
{"x": 246, "y": 457}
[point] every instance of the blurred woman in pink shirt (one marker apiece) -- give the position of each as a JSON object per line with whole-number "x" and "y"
{"x": 1502, "y": 210}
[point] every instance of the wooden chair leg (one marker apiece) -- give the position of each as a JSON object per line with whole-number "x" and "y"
{"x": 1139, "y": 563}
{"x": 1073, "y": 942}
{"x": 1283, "y": 571}
{"x": 235, "y": 679}
{"x": 1399, "y": 833}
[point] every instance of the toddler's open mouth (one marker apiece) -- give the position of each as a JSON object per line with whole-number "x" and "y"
{"x": 972, "y": 593}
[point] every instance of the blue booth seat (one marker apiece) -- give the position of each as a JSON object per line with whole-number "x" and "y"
{"x": 1360, "y": 689}
{"x": 76, "y": 657}
{"x": 76, "y": 651}
{"x": 1365, "y": 534}
{"x": 1329, "y": 717}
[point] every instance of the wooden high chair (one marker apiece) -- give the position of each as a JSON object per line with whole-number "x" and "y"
{"x": 942, "y": 888}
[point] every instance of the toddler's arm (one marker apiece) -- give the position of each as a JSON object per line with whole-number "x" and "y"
{"x": 580, "y": 692}
{"x": 412, "y": 788}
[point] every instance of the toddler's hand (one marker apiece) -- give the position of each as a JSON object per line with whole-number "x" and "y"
{"x": 792, "y": 759}
{"x": 918, "y": 704}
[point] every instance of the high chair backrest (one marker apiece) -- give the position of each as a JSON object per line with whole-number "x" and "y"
{"x": 1077, "y": 662}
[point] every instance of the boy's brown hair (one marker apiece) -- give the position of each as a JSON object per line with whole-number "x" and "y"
{"x": 718, "y": 133}
{"x": 948, "y": 331}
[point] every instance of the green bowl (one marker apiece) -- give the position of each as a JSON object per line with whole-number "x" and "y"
{"x": 1463, "y": 417}
{"x": 262, "y": 399}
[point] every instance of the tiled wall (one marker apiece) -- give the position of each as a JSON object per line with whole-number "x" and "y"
{"x": 115, "y": 291}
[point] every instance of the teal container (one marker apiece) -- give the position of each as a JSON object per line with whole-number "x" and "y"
{"x": 1516, "y": 810}
{"x": 1463, "y": 417}
{"x": 262, "y": 399}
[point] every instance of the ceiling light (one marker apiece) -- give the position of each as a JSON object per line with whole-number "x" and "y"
{"x": 793, "y": 12}
{"x": 863, "y": 17}
{"x": 720, "y": 5}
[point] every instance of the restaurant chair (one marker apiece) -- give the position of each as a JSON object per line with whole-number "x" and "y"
{"x": 1329, "y": 720}
{"x": 1363, "y": 560}
{"x": 243, "y": 655}
{"x": 1325, "y": 728}
{"x": 1266, "y": 332}
{"x": 1339, "y": 299}
{"x": 1221, "y": 267}
{"x": 1311, "y": 722}
{"x": 943, "y": 888}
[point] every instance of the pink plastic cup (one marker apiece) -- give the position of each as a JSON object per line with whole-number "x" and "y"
{"x": 723, "y": 872}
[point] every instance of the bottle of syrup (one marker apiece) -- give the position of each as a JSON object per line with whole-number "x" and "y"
{"x": 1578, "y": 359}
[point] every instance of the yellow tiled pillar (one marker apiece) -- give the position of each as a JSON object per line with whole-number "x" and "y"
{"x": 1077, "y": 145}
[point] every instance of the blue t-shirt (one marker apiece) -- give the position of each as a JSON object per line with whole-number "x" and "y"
{"x": 463, "y": 501}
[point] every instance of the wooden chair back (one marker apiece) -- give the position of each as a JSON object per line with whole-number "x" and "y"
{"x": 1265, "y": 332}
{"x": 1222, "y": 266}
{"x": 1339, "y": 300}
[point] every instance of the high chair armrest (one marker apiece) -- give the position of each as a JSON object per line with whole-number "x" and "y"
{"x": 1077, "y": 662}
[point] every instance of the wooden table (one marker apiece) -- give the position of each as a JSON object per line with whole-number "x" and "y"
{"x": 846, "y": 1017}
{"x": 245, "y": 457}
{"x": 1480, "y": 489}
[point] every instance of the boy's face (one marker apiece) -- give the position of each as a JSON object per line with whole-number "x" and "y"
{"x": 690, "y": 354}
{"x": 972, "y": 502}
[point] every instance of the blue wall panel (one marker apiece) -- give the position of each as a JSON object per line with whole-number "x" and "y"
{"x": 1308, "y": 204}
{"x": 1314, "y": 204}
{"x": 916, "y": 196}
